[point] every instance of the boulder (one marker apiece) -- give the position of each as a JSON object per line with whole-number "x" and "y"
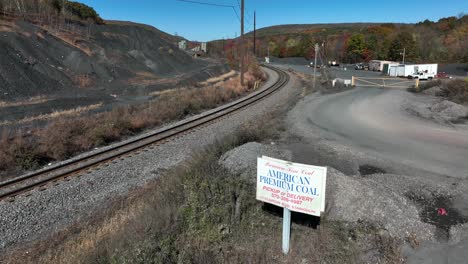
{"x": 459, "y": 233}
{"x": 243, "y": 159}
{"x": 449, "y": 111}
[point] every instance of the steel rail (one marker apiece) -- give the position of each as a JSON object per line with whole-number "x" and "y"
{"x": 39, "y": 178}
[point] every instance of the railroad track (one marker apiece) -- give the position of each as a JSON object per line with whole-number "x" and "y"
{"x": 86, "y": 164}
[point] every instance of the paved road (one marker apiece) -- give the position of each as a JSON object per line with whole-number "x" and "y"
{"x": 373, "y": 120}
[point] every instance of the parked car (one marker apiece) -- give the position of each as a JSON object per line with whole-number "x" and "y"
{"x": 443, "y": 75}
{"x": 359, "y": 66}
{"x": 318, "y": 66}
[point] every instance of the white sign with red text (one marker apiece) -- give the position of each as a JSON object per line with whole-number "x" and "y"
{"x": 297, "y": 187}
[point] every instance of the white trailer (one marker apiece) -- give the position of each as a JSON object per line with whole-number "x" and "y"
{"x": 387, "y": 67}
{"x": 393, "y": 70}
{"x": 417, "y": 71}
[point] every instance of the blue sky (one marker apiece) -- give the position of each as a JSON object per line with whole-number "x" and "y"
{"x": 201, "y": 22}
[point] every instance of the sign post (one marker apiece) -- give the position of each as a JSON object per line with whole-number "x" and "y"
{"x": 293, "y": 186}
{"x": 286, "y": 229}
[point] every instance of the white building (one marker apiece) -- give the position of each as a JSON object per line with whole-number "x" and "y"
{"x": 378, "y": 65}
{"x": 204, "y": 47}
{"x": 183, "y": 44}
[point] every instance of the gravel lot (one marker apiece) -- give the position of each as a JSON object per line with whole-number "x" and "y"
{"x": 45, "y": 212}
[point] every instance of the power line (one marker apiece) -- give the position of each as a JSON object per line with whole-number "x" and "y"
{"x": 204, "y": 3}
{"x": 246, "y": 12}
{"x": 237, "y": 14}
{"x": 212, "y": 4}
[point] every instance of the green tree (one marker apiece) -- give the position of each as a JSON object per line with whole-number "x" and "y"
{"x": 403, "y": 41}
{"x": 83, "y": 11}
{"x": 356, "y": 46}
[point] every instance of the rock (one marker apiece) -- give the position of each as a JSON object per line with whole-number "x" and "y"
{"x": 224, "y": 229}
{"x": 442, "y": 112}
{"x": 243, "y": 159}
{"x": 432, "y": 91}
{"x": 449, "y": 111}
{"x": 458, "y": 233}
{"x": 353, "y": 200}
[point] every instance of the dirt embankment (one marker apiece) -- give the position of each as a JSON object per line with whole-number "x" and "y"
{"x": 38, "y": 60}
{"x": 76, "y": 65}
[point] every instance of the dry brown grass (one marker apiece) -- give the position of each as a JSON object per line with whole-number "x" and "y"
{"x": 40, "y": 35}
{"x": 220, "y": 78}
{"x": 167, "y": 92}
{"x": 8, "y": 26}
{"x": 144, "y": 78}
{"x": 31, "y": 101}
{"x": 54, "y": 115}
{"x": 73, "y": 39}
{"x": 114, "y": 35}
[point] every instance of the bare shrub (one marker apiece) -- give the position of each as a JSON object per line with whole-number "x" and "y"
{"x": 455, "y": 90}
{"x": 429, "y": 84}
{"x": 5, "y": 158}
{"x": 23, "y": 152}
{"x": 63, "y": 138}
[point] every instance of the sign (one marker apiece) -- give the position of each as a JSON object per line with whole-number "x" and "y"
{"x": 294, "y": 186}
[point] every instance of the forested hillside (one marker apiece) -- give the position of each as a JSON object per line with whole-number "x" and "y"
{"x": 445, "y": 40}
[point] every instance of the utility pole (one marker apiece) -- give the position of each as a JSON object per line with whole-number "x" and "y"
{"x": 242, "y": 45}
{"x": 404, "y": 53}
{"x": 255, "y": 34}
{"x": 315, "y": 62}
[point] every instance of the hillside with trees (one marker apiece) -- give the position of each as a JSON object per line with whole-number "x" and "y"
{"x": 445, "y": 40}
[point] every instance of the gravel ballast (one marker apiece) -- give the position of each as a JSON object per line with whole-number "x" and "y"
{"x": 46, "y": 212}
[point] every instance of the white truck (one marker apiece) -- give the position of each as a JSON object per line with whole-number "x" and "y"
{"x": 422, "y": 76}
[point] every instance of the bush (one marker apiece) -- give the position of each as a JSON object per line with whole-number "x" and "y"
{"x": 83, "y": 11}
{"x": 455, "y": 90}
{"x": 23, "y": 152}
{"x": 429, "y": 84}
